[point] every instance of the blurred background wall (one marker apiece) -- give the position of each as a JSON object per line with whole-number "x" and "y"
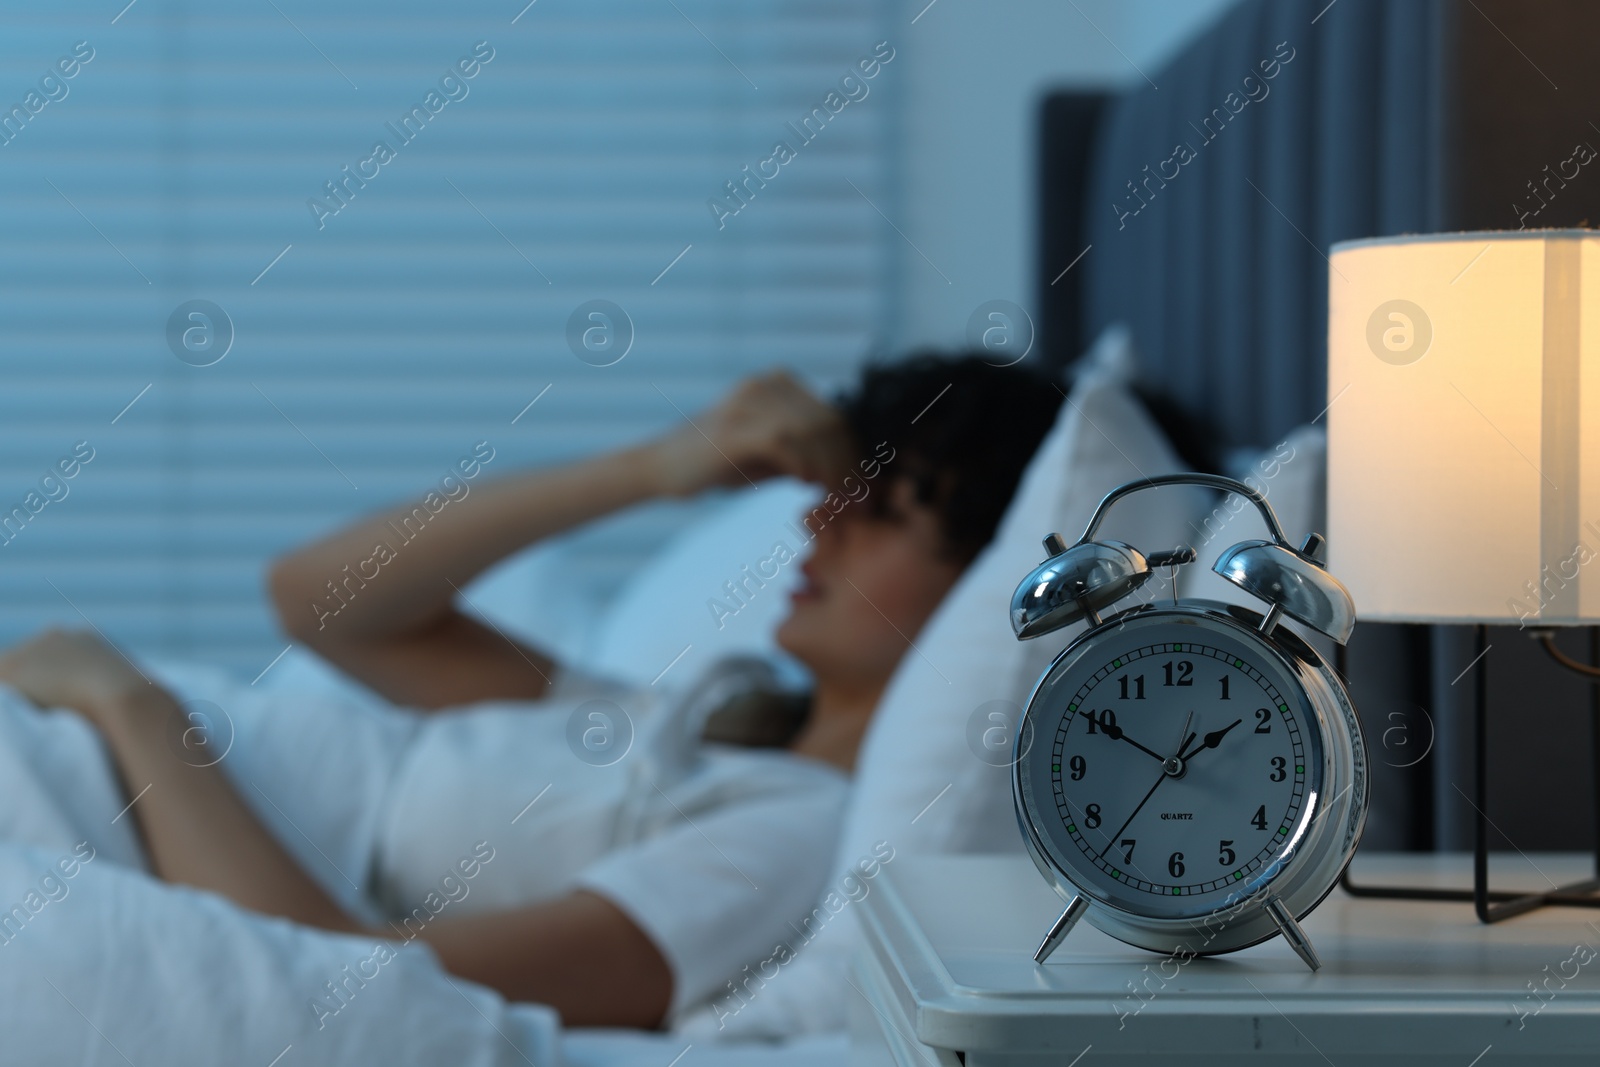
{"x": 258, "y": 324}
{"x": 973, "y": 74}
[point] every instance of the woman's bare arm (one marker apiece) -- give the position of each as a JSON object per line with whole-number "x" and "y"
{"x": 196, "y": 829}
{"x": 579, "y": 954}
{"x": 400, "y": 631}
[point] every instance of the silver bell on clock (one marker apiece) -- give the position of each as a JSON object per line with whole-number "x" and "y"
{"x": 1189, "y": 777}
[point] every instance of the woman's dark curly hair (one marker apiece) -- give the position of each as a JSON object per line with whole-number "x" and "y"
{"x": 963, "y": 431}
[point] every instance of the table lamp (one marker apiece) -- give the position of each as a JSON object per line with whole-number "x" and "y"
{"x": 1464, "y": 455}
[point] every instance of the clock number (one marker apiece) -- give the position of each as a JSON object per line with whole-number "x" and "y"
{"x": 1127, "y": 844}
{"x": 1224, "y": 681}
{"x": 1138, "y": 686}
{"x": 1278, "y": 773}
{"x": 1079, "y": 767}
{"x": 1263, "y": 721}
{"x": 1185, "y": 669}
{"x": 1175, "y": 865}
{"x": 1260, "y": 819}
{"x": 1091, "y": 816}
{"x": 1227, "y": 854}
{"x": 1107, "y": 719}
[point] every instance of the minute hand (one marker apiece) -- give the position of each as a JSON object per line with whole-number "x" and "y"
{"x": 1117, "y": 733}
{"x": 1211, "y": 740}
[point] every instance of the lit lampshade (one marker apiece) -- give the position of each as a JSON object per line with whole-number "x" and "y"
{"x": 1464, "y": 427}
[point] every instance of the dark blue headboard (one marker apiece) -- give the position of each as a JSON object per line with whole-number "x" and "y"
{"x": 1210, "y": 200}
{"x": 1392, "y": 116}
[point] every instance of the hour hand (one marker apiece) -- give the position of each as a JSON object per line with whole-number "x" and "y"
{"x": 1117, "y": 733}
{"x": 1213, "y": 739}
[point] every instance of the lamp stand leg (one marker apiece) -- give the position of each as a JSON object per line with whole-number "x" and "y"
{"x": 1492, "y": 905}
{"x": 1594, "y": 741}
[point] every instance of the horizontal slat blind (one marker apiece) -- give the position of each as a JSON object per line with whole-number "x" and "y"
{"x": 425, "y": 315}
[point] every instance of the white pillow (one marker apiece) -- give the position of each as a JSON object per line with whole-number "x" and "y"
{"x": 666, "y": 604}
{"x": 920, "y": 786}
{"x": 545, "y": 595}
{"x": 917, "y": 745}
{"x": 681, "y": 597}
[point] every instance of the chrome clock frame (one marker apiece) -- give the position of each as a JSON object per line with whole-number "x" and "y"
{"x": 1324, "y": 839}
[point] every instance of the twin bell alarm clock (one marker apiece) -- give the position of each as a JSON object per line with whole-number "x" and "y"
{"x": 1189, "y": 777}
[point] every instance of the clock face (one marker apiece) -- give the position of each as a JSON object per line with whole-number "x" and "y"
{"x": 1169, "y": 762}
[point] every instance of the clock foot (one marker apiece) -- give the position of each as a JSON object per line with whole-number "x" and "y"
{"x": 1063, "y": 926}
{"x": 1293, "y": 934}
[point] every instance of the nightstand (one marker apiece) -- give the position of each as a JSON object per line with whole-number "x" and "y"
{"x": 946, "y": 977}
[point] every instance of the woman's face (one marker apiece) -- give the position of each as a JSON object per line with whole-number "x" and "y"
{"x": 871, "y": 581}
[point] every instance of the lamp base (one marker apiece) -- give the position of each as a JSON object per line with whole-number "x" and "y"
{"x": 1491, "y": 905}
{"x": 1496, "y": 905}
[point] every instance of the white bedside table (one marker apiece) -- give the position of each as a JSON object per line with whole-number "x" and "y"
{"x": 947, "y": 977}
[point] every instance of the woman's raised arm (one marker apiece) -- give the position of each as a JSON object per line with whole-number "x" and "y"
{"x": 389, "y": 616}
{"x": 397, "y": 626}
{"x": 383, "y": 609}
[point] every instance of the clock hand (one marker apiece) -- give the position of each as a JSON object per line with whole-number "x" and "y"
{"x": 1170, "y": 768}
{"x": 1213, "y": 739}
{"x": 1174, "y": 763}
{"x": 1117, "y": 733}
{"x": 1129, "y": 819}
{"x": 1186, "y": 739}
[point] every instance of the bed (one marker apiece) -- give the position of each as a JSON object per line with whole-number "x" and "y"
{"x": 1373, "y": 121}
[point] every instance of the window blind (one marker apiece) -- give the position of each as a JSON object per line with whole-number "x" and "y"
{"x": 238, "y": 321}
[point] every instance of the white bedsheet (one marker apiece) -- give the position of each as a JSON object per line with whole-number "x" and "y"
{"x": 101, "y": 963}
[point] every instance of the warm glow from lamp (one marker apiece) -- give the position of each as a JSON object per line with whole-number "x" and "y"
{"x": 1464, "y": 427}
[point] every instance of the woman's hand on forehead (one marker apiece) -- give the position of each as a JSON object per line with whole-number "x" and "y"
{"x": 767, "y": 426}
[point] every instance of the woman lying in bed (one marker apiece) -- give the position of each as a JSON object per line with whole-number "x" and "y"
{"x": 631, "y": 892}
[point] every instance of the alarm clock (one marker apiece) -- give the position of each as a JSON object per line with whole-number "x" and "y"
{"x": 1189, "y": 777}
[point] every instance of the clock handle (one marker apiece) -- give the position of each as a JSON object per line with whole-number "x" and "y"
{"x": 1213, "y": 481}
{"x": 1063, "y": 926}
{"x": 1289, "y": 579}
{"x": 1292, "y": 933}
